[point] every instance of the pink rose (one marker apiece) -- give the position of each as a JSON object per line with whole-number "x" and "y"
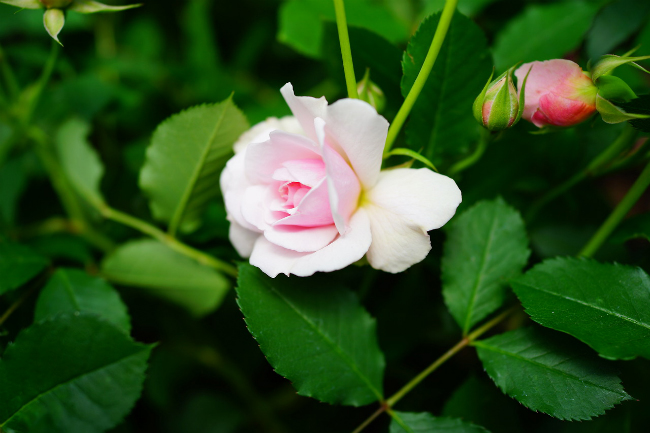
{"x": 305, "y": 194}
{"x": 558, "y": 93}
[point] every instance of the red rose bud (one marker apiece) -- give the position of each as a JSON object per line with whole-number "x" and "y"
{"x": 371, "y": 93}
{"x": 558, "y": 93}
{"x": 498, "y": 106}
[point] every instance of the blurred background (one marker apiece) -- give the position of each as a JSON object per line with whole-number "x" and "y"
{"x": 127, "y": 72}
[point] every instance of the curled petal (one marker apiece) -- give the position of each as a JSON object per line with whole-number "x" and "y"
{"x": 343, "y": 251}
{"x": 402, "y": 207}
{"x": 305, "y": 108}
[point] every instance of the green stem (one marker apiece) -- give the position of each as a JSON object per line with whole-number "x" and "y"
{"x": 8, "y": 75}
{"x": 174, "y": 244}
{"x": 474, "y": 157}
{"x": 622, "y": 141}
{"x": 388, "y": 404}
{"x": 632, "y": 196}
{"x": 429, "y": 61}
{"x": 42, "y": 82}
{"x": 346, "y": 51}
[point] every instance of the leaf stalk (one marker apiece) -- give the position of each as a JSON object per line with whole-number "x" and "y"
{"x": 346, "y": 51}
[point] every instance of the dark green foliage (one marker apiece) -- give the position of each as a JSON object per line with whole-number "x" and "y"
{"x": 550, "y": 374}
{"x": 605, "y": 305}
{"x": 18, "y": 264}
{"x": 407, "y": 422}
{"x": 318, "y": 337}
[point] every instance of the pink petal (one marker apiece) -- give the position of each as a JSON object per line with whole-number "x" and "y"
{"x": 301, "y": 239}
{"x": 260, "y": 132}
{"x": 355, "y": 130}
{"x": 262, "y": 159}
{"x": 313, "y": 210}
{"x": 256, "y": 206}
{"x": 306, "y": 171}
{"x": 561, "y": 111}
{"x": 305, "y": 109}
{"x": 343, "y": 186}
{"x": 343, "y": 251}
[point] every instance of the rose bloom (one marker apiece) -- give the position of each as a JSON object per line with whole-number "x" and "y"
{"x": 558, "y": 93}
{"x": 305, "y": 194}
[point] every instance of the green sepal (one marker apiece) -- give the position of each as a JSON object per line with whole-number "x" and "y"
{"x": 478, "y": 102}
{"x": 53, "y": 20}
{"x": 413, "y": 154}
{"x": 613, "y": 88}
{"x": 24, "y": 4}
{"x": 522, "y": 97}
{"x": 91, "y": 7}
{"x": 613, "y": 114}
{"x": 607, "y": 63}
{"x": 499, "y": 117}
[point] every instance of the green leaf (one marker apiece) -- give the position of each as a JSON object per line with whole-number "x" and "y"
{"x": 466, "y": 7}
{"x": 185, "y": 158}
{"x": 301, "y": 23}
{"x": 550, "y": 373}
{"x": 316, "y": 335}
{"x": 18, "y": 264}
{"x": 80, "y": 161}
{"x": 423, "y": 422}
{"x": 152, "y": 265}
{"x": 441, "y": 122}
{"x": 543, "y": 32}
{"x": 13, "y": 181}
{"x": 486, "y": 246}
{"x": 605, "y": 305}
{"x": 614, "y": 24}
{"x": 633, "y": 228}
{"x": 72, "y": 374}
{"x": 641, "y": 106}
{"x": 72, "y": 290}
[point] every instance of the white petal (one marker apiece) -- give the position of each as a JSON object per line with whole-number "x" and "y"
{"x": 301, "y": 239}
{"x": 361, "y": 133}
{"x": 234, "y": 183}
{"x": 242, "y": 239}
{"x": 305, "y": 108}
{"x": 345, "y": 250}
{"x": 260, "y": 132}
{"x": 402, "y": 207}
{"x": 256, "y": 206}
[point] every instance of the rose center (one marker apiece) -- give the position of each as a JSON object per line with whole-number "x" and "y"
{"x": 292, "y": 193}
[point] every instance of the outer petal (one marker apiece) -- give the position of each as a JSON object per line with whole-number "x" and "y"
{"x": 345, "y": 250}
{"x": 562, "y": 111}
{"x": 262, "y": 159}
{"x": 234, "y": 184}
{"x": 305, "y": 108}
{"x": 301, "y": 239}
{"x": 260, "y": 132}
{"x": 355, "y": 127}
{"x": 402, "y": 207}
{"x": 242, "y": 239}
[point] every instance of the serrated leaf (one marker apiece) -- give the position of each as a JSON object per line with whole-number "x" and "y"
{"x": 550, "y": 373}
{"x": 423, "y": 422}
{"x": 72, "y": 290}
{"x": 606, "y": 306}
{"x": 543, "y": 32}
{"x": 185, "y": 158}
{"x": 315, "y": 335}
{"x": 486, "y": 246}
{"x": 441, "y": 121}
{"x": 152, "y": 265}
{"x": 79, "y": 160}
{"x": 301, "y": 23}
{"x": 70, "y": 374}
{"x": 18, "y": 264}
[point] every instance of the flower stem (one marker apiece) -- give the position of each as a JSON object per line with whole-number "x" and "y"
{"x": 388, "y": 404}
{"x": 429, "y": 61}
{"x": 346, "y": 51}
{"x": 42, "y": 82}
{"x": 174, "y": 244}
{"x": 632, "y": 196}
{"x": 474, "y": 157}
{"x": 8, "y": 75}
{"x": 622, "y": 141}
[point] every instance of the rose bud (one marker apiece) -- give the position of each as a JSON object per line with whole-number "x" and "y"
{"x": 558, "y": 93}
{"x": 498, "y": 106}
{"x": 371, "y": 93}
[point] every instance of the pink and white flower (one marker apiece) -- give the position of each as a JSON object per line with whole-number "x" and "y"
{"x": 558, "y": 93}
{"x": 305, "y": 194}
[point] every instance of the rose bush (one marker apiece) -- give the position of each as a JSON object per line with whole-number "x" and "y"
{"x": 558, "y": 93}
{"x": 306, "y": 194}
